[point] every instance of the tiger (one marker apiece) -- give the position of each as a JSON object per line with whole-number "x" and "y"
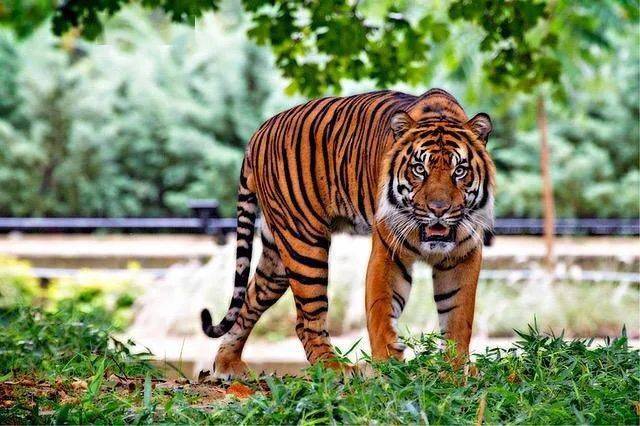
{"x": 412, "y": 171}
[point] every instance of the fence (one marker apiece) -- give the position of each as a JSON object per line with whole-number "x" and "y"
{"x": 206, "y": 220}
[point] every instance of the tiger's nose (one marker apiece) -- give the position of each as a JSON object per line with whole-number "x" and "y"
{"x": 439, "y": 207}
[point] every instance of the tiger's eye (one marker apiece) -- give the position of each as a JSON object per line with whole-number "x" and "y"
{"x": 460, "y": 172}
{"x": 418, "y": 169}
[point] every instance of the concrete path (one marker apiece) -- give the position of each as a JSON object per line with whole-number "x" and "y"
{"x": 154, "y": 251}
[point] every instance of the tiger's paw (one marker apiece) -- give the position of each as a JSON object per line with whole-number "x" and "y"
{"x": 365, "y": 369}
{"x": 471, "y": 370}
{"x": 341, "y": 367}
{"x": 396, "y": 350}
{"x": 227, "y": 370}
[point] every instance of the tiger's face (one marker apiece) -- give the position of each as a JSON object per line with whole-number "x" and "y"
{"x": 439, "y": 182}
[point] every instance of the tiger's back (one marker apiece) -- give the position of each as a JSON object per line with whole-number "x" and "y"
{"x": 324, "y": 157}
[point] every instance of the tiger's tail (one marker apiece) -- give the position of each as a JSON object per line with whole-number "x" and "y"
{"x": 246, "y": 213}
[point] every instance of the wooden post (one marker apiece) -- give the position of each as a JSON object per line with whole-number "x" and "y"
{"x": 547, "y": 183}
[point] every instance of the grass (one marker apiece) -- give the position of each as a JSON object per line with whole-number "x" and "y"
{"x": 64, "y": 367}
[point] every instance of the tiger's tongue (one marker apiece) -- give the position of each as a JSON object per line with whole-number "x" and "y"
{"x": 437, "y": 230}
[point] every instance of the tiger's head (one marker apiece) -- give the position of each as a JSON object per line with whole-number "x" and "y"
{"x": 438, "y": 187}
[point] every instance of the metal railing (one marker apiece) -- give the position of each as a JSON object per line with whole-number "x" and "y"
{"x": 508, "y": 226}
{"x": 206, "y": 219}
{"x": 70, "y": 224}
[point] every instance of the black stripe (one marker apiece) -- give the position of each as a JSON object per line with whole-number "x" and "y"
{"x": 245, "y": 225}
{"x": 324, "y": 333}
{"x": 442, "y": 268}
{"x": 320, "y": 298}
{"x": 403, "y": 269}
{"x": 268, "y": 244}
{"x": 305, "y": 260}
{"x": 242, "y": 252}
{"x": 311, "y": 315}
{"x": 246, "y": 197}
{"x": 306, "y": 280}
{"x": 465, "y": 239}
{"x": 444, "y": 311}
{"x": 300, "y": 173}
{"x": 400, "y": 300}
{"x": 444, "y": 296}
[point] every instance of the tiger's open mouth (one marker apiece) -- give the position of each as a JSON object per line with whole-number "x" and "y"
{"x": 437, "y": 232}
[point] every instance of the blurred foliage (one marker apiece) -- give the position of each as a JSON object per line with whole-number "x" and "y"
{"x": 391, "y": 43}
{"x": 18, "y": 284}
{"x": 131, "y": 128}
{"x": 158, "y": 113}
{"x": 87, "y": 290}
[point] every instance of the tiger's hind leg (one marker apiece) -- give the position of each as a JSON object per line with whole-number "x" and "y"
{"x": 268, "y": 284}
{"x": 306, "y": 263}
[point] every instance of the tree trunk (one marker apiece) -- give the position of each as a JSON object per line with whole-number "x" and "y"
{"x": 547, "y": 183}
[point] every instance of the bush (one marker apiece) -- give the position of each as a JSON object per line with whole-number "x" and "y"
{"x": 18, "y": 284}
{"x": 131, "y": 127}
{"x": 67, "y": 342}
{"x": 86, "y": 290}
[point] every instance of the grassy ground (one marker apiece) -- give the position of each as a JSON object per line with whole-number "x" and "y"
{"x": 64, "y": 367}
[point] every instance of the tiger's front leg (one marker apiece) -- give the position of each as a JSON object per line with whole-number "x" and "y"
{"x": 387, "y": 292}
{"x": 454, "y": 282}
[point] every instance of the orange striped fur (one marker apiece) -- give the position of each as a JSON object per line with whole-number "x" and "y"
{"x": 412, "y": 171}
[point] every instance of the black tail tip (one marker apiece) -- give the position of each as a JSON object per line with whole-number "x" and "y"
{"x": 207, "y": 322}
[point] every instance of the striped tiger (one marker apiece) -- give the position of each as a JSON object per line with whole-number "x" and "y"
{"x": 413, "y": 171}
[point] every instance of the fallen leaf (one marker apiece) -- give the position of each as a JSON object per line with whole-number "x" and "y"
{"x": 59, "y": 383}
{"x": 67, "y": 399}
{"x": 79, "y": 385}
{"x": 473, "y": 371}
{"x": 513, "y": 378}
{"x": 239, "y": 390}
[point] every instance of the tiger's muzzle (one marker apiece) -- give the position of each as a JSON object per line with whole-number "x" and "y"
{"x": 438, "y": 226}
{"x": 437, "y": 232}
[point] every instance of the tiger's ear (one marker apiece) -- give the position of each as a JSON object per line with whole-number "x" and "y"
{"x": 481, "y": 125}
{"x": 401, "y": 122}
